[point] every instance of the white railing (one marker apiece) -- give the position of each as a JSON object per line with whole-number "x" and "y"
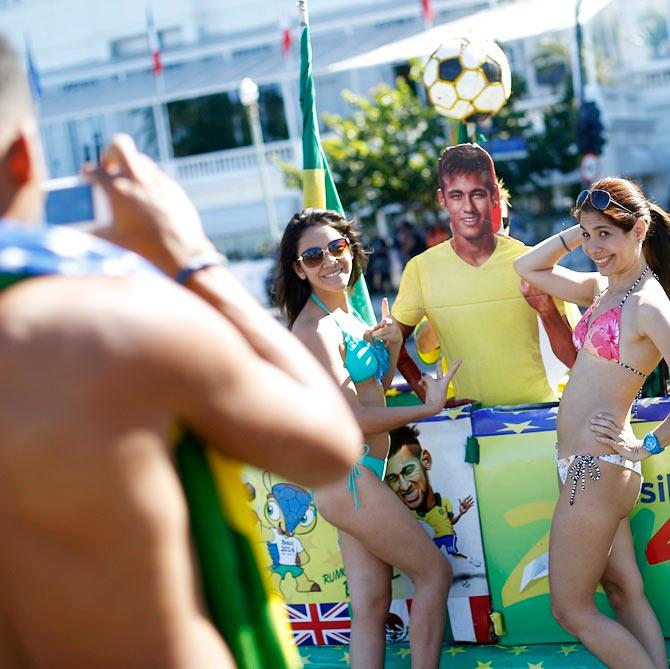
{"x": 652, "y": 77}
{"x": 216, "y": 164}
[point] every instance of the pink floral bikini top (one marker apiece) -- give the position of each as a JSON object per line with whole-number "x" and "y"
{"x": 601, "y": 338}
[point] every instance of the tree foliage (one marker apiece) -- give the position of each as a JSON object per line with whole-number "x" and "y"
{"x": 551, "y": 148}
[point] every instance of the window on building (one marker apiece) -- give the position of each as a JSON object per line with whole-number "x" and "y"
{"x": 129, "y": 46}
{"x": 218, "y": 122}
{"x": 403, "y": 71}
{"x": 135, "y": 45}
{"x": 258, "y": 50}
{"x": 273, "y": 116}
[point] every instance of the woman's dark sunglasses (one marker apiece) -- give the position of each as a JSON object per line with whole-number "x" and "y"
{"x": 600, "y": 199}
{"x": 313, "y": 256}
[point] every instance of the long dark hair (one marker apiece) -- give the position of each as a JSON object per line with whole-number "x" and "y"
{"x": 656, "y": 246}
{"x": 289, "y": 292}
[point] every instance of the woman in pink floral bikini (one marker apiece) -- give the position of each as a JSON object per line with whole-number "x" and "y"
{"x": 620, "y": 340}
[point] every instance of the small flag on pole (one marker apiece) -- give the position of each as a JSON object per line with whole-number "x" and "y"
{"x": 286, "y": 37}
{"x": 33, "y": 74}
{"x": 318, "y": 186}
{"x": 427, "y": 8}
{"x": 154, "y": 45}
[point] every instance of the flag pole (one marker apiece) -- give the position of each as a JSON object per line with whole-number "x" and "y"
{"x": 318, "y": 185}
{"x": 160, "y": 121}
{"x": 33, "y": 75}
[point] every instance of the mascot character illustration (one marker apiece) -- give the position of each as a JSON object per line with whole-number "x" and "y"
{"x": 288, "y": 511}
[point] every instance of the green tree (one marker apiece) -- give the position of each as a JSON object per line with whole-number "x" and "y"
{"x": 653, "y": 31}
{"x": 552, "y": 149}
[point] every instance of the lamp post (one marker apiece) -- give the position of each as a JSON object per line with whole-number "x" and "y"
{"x": 249, "y": 99}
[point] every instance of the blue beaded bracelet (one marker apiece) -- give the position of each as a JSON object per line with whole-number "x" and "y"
{"x": 196, "y": 264}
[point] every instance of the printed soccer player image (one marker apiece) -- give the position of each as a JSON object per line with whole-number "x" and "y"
{"x": 407, "y": 475}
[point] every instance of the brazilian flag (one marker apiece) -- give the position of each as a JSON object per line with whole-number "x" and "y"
{"x": 234, "y": 565}
{"x": 318, "y": 186}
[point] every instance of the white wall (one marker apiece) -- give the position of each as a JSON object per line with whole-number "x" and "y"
{"x": 64, "y": 33}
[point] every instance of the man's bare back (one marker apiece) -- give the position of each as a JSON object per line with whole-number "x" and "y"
{"x": 96, "y": 568}
{"x": 93, "y": 519}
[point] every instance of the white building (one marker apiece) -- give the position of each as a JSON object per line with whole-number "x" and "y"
{"x": 97, "y": 80}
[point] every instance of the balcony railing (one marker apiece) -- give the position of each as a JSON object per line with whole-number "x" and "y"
{"x": 652, "y": 77}
{"x": 238, "y": 161}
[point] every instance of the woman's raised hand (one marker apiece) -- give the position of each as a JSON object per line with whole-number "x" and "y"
{"x": 387, "y": 330}
{"x": 436, "y": 389}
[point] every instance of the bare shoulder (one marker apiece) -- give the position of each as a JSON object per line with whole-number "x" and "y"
{"x": 322, "y": 336}
{"x": 111, "y": 310}
{"x": 316, "y": 329}
{"x": 653, "y": 302}
{"x": 102, "y": 329}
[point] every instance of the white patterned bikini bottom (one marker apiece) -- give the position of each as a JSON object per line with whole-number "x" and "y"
{"x": 577, "y": 467}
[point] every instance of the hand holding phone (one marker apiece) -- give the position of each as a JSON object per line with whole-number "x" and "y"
{"x": 75, "y": 201}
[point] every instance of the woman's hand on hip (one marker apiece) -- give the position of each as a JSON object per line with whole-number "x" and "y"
{"x": 618, "y": 437}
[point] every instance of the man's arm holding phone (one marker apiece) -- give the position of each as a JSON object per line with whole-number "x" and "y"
{"x": 154, "y": 217}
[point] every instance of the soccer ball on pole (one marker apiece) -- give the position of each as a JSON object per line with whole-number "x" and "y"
{"x": 468, "y": 81}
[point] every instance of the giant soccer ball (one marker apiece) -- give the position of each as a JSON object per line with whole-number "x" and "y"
{"x": 467, "y": 80}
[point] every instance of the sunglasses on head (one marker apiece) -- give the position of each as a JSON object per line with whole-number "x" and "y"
{"x": 314, "y": 256}
{"x": 600, "y": 200}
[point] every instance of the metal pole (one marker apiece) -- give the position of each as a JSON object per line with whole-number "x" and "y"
{"x": 303, "y": 16}
{"x": 161, "y": 123}
{"x": 257, "y": 137}
{"x": 579, "y": 85}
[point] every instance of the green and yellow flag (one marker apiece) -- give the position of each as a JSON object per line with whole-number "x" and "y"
{"x": 318, "y": 185}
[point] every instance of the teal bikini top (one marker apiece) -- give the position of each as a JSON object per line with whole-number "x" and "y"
{"x": 362, "y": 359}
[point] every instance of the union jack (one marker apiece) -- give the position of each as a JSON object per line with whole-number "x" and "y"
{"x": 320, "y": 624}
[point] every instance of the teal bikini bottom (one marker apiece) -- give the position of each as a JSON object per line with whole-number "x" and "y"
{"x": 376, "y": 465}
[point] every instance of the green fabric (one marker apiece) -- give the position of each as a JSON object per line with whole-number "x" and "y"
{"x": 655, "y": 384}
{"x": 314, "y": 158}
{"x": 472, "y": 450}
{"x": 235, "y": 594}
{"x": 402, "y": 399}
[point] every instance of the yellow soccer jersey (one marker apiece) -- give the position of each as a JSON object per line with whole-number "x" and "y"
{"x": 479, "y": 315}
{"x": 439, "y": 517}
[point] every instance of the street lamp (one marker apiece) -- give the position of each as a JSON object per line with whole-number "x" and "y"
{"x": 249, "y": 98}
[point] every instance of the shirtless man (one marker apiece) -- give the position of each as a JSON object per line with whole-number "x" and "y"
{"x": 96, "y": 568}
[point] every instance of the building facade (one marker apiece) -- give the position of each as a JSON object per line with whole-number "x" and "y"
{"x": 96, "y": 80}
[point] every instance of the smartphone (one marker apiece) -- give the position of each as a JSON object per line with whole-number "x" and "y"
{"x": 74, "y": 201}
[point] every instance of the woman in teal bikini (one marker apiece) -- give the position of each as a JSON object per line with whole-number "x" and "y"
{"x": 321, "y": 257}
{"x": 620, "y": 340}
